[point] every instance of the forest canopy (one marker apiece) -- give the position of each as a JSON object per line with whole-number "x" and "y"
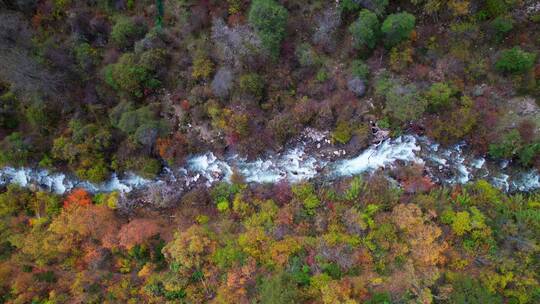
{"x": 100, "y": 89}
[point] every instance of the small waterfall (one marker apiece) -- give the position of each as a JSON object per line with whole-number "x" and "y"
{"x": 403, "y": 148}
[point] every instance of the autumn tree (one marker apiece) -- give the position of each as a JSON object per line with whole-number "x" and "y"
{"x": 237, "y": 284}
{"x": 137, "y": 231}
{"x": 77, "y": 197}
{"x": 81, "y": 223}
{"x": 190, "y": 248}
{"x": 13, "y": 200}
{"x": 15, "y": 150}
{"x": 422, "y": 237}
{"x": 84, "y": 147}
{"x": 279, "y": 288}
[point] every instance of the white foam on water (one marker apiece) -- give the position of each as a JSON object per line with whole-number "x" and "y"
{"x": 298, "y": 166}
{"x": 439, "y": 160}
{"x": 9, "y": 175}
{"x": 501, "y": 182}
{"x": 293, "y": 165}
{"x": 464, "y": 175}
{"x": 128, "y": 183}
{"x": 60, "y": 184}
{"x": 211, "y": 168}
{"x": 54, "y": 182}
{"x": 114, "y": 184}
{"x": 260, "y": 171}
{"x": 20, "y": 177}
{"x": 90, "y": 187}
{"x": 135, "y": 181}
{"x": 528, "y": 181}
{"x": 478, "y": 163}
{"x": 403, "y": 148}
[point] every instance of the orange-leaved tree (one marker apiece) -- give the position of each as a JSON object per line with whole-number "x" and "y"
{"x": 79, "y": 197}
{"x": 137, "y": 232}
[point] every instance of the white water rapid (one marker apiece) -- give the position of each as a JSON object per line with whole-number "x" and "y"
{"x": 447, "y": 166}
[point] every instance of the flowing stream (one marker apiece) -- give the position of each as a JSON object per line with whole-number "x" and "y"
{"x": 311, "y": 156}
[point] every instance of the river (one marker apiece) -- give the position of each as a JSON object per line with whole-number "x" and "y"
{"x": 311, "y": 156}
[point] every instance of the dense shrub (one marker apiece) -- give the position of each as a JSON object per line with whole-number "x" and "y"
{"x": 252, "y": 84}
{"x": 146, "y": 166}
{"x": 514, "y": 144}
{"x": 153, "y": 59}
{"x": 454, "y": 124}
{"x": 502, "y": 26}
{"x": 15, "y": 150}
{"x": 126, "y": 31}
{"x": 507, "y": 146}
{"x": 438, "y": 96}
{"x": 39, "y": 115}
{"x": 8, "y": 110}
{"x": 402, "y": 102}
{"x": 401, "y": 56}
{"x": 86, "y": 56}
{"x": 203, "y": 67}
{"x": 322, "y": 75}
{"x": 380, "y": 298}
{"x": 142, "y": 124}
{"x": 365, "y": 30}
{"x": 269, "y": 19}
{"x": 95, "y": 170}
{"x": 129, "y": 76}
{"x": 515, "y": 60}
{"x": 496, "y": 7}
{"x": 377, "y": 6}
{"x": 359, "y": 69}
{"x": 279, "y": 288}
{"x": 349, "y": 5}
{"x": 343, "y": 133}
{"x": 529, "y": 153}
{"x": 13, "y": 200}
{"x": 83, "y": 149}
{"x": 305, "y": 193}
{"x": 397, "y": 27}
{"x": 469, "y": 291}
